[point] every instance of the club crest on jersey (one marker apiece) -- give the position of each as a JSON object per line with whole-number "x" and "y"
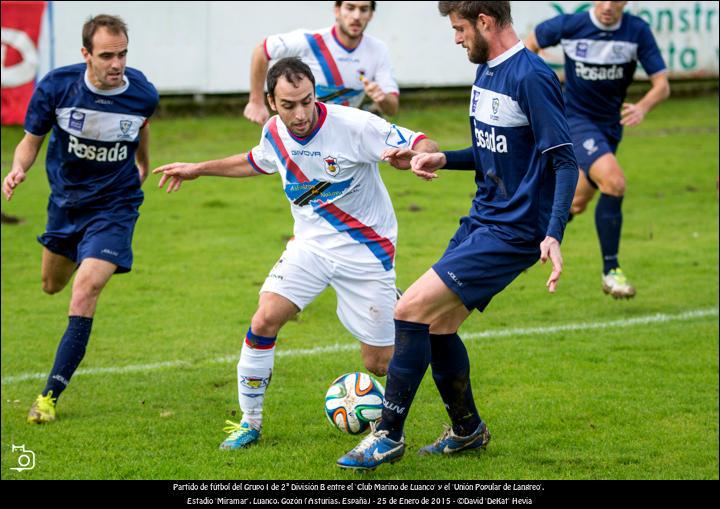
{"x": 581, "y": 49}
{"x": 395, "y": 138}
{"x": 590, "y": 146}
{"x": 361, "y": 75}
{"x": 125, "y": 126}
{"x": 495, "y": 108}
{"x": 77, "y": 120}
{"x": 331, "y": 166}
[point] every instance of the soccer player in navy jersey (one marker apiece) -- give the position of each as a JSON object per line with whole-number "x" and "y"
{"x": 602, "y": 48}
{"x": 97, "y": 160}
{"x": 525, "y": 172}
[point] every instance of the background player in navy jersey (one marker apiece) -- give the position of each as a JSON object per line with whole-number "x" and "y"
{"x": 347, "y": 63}
{"x": 526, "y": 174}
{"x": 602, "y": 48}
{"x": 97, "y": 160}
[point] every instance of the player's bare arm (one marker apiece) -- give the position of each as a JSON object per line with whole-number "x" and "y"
{"x": 426, "y": 164}
{"x": 142, "y": 156}
{"x": 633, "y": 114}
{"x": 256, "y": 111}
{"x": 236, "y": 166}
{"x": 25, "y": 155}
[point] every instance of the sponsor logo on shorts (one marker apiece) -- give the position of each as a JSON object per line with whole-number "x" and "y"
{"x": 589, "y": 146}
{"x": 455, "y": 278}
{"x": 110, "y": 252}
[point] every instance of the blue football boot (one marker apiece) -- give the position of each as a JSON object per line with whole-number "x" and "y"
{"x": 374, "y": 450}
{"x": 449, "y": 442}
{"x": 241, "y": 435}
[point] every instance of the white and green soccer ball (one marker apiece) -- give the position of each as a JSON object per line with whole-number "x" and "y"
{"x": 353, "y": 401}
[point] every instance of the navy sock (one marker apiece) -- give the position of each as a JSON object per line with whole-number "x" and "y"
{"x": 608, "y": 222}
{"x": 406, "y": 370}
{"x": 69, "y": 354}
{"x": 451, "y": 372}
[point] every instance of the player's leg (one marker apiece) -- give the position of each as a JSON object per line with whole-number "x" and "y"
{"x": 610, "y": 179}
{"x": 366, "y": 298}
{"x": 386, "y": 443}
{"x": 92, "y": 276}
{"x": 56, "y": 271}
{"x": 584, "y": 193}
{"x": 295, "y": 280}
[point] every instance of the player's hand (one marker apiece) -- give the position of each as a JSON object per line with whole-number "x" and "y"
{"x": 632, "y": 114}
{"x": 550, "y": 248}
{"x": 398, "y": 157}
{"x": 373, "y": 90}
{"x": 256, "y": 112}
{"x": 176, "y": 173}
{"x": 11, "y": 181}
{"x": 424, "y": 164}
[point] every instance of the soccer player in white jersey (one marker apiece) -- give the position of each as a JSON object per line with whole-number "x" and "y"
{"x": 345, "y": 226}
{"x": 347, "y": 63}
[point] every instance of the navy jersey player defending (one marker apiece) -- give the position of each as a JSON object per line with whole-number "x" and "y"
{"x": 97, "y": 160}
{"x": 526, "y": 173}
{"x": 602, "y": 48}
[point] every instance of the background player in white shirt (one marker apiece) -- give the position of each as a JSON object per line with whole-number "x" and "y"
{"x": 346, "y": 63}
{"x": 345, "y": 226}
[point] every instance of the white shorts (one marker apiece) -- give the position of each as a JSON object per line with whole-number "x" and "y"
{"x": 366, "y": 295}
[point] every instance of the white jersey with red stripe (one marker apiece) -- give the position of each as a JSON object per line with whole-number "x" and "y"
{"x": 339, "y": 71}
{"x": 331, "y": 178}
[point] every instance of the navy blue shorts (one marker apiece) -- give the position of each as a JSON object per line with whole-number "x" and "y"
{"x": 477, "y": 265}
{"x": 105, "y": 233}
{"x": 592, "y": 141}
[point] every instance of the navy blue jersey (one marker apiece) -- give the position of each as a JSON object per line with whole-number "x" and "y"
{"x": 516, "y": 117}
{"x": 600, "y": 61}
{"x": 95, "y": 133}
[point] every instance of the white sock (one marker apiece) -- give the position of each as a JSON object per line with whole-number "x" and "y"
{"x": 254, "y": 371}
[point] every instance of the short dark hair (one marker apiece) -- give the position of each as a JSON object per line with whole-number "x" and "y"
{"x": 292, "y": 68}
{"x": 372, "y": 5}
{"x": 114, "y": 24}
{"x": 500, "y": 11}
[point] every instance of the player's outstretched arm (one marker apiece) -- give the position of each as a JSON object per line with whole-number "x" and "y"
{"x": 256, "y": 111}
{"x": 25, "y": 155}
{"x": 174, "y": 174}
{"x": 400, "y": 158}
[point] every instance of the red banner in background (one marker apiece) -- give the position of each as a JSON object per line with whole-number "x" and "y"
{"x": 21, "y": 25}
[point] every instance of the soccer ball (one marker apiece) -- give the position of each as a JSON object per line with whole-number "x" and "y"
{"x": 353, "y": 401}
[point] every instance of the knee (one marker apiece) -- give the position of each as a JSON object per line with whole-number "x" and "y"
{"x": 408, "y": 309}
{"x": 614, "y": 186}
{"x": 378, "y": 366}
{"x": 578, "y": 206}
{"x": 263, "y": 323}
{"x": 50, "y": 286}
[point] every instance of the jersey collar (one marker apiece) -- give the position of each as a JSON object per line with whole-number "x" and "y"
{"x": 322, "y": 115}
{"x": 113, "y": 91}
{"x": 606, "y": 28}
{"x": 333, "y": 31}
{"x": 504, "y": 56}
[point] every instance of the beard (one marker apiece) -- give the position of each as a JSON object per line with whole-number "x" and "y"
{"x": 480, "y": 50}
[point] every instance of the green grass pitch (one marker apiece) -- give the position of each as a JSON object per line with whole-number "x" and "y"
{"x": 631, "y": 394}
